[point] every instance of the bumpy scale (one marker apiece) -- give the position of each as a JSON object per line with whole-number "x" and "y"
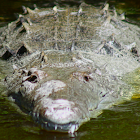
{"x": 69, "y": 63}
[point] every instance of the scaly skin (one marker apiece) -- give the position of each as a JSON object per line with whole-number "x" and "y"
{"x": 74, "y": 65}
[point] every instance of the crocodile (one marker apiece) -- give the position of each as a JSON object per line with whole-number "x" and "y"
{"x": 69, "y": 63}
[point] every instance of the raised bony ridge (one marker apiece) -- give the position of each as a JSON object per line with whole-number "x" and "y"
{"x": 69, "y": 63}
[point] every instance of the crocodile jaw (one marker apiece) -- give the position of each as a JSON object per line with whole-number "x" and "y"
{"x": 60, "y": 115}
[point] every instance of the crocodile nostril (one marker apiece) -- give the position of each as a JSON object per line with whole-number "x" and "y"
{"x": 32, "y": 79}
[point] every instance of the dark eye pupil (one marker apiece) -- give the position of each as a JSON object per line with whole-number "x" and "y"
{"x": 86, "y": 78}
{"x": 32, "y": 79}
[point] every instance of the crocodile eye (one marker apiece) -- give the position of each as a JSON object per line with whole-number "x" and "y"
{"x": 86, "y": 78}
{"x": 32, "y": 79}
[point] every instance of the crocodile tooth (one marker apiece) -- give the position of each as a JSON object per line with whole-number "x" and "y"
{"x": 56, "y": 127}
{"x": 73, "y": 128}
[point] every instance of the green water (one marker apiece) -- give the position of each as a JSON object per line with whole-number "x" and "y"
{"x": 121, "y": 122}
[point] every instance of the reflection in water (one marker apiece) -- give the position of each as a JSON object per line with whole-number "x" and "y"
{"x": 120, "y": 122}
{"x": 15, "y": 125}
{"x": 123, "y": 122}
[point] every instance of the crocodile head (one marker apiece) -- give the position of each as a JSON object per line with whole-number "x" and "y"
{"x": 64, "y": 91}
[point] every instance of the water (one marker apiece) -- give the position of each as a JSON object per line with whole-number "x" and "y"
{"x": 121, "y": 122}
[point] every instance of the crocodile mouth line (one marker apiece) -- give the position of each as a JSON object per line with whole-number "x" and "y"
{"x": 70, "y": 127}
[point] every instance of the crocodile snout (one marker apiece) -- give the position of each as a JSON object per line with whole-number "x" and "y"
{"x": 53, "y": 114}
{"x": 58, "y": 102}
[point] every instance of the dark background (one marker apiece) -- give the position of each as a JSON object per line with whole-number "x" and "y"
{"x": 8, "y": 8}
